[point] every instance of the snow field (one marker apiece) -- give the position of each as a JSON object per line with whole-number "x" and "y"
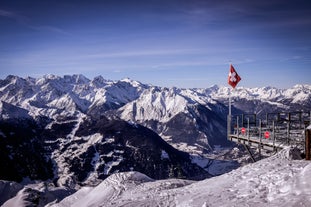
{"x": 274, "y": 181}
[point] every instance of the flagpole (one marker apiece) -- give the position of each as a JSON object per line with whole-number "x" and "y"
{"x": 233, "y": 80}
{"x": 229, "y": 115}
{"x": 230, "y": 102}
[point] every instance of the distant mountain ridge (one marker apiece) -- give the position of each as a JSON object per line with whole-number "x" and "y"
{"x": 73, "y": 131}
{"x": 167, "y": 111}
{"x": 189, "y": 119}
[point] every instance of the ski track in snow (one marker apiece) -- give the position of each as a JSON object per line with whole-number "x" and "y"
{"x": 274, "y": 181}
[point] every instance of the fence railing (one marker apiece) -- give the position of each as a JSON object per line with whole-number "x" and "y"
{"x": 276, "y": 129}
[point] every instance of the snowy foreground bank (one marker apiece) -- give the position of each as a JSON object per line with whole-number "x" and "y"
{"x": 276, "y": 181}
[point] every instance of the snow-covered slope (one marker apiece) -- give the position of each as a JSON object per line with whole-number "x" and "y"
{"x": 298, "y": 93}
{"x": 192, "y": 120}
{"x": 35, "y": 194}
{"x": 9, "y": 111}
{"x": 194, "y": 117}
{"x": 52, "y": 95}
{"x": 264, "y": 100}
{"x": 80, "y": 93}
{"x": 75, "y": 131}
{"x": 275, "y": 181}
{"x": 179, "y": 116}
{"x": 79, "y": 152}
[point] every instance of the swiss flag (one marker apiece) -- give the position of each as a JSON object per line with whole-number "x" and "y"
{"x": 233, "y": 78}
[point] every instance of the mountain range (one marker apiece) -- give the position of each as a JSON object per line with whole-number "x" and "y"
{"x": 192, "y": 116}
{"x": 71, "y": 131}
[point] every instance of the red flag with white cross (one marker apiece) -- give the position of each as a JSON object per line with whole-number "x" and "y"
{"x": 233, "y": 78}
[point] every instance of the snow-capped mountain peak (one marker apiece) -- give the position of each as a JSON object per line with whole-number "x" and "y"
{"x": 84, "y": 130}
{"x": 155, "y": 103}
{"x": 158, "y": 108}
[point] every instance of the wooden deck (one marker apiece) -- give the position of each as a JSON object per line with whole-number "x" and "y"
{"x": 255, "y": 142}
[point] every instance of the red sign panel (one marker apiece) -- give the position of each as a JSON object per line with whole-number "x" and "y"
{"x": 243, "y": 130}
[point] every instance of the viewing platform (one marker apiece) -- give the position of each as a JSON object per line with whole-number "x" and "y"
{"x": 272, "y": 132}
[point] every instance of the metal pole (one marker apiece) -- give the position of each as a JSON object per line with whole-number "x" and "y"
{"x": 267, "y": 123}
{"x": 255, "y": 119}
{"x": 229, "y": 102}
{"x": 248, "y": 135}
{"x": 288, "y": 132}
{"x": 300, "y": 120}
{"x": 288, "y": 128}
{"x": 237, "y": 126}
{"x": 229, "y": 116}
{"x": 259, "y": 138}
{"x": 229, "y": 127}
{"x": 308, "y": 144}
{"x": 273, "y": 135}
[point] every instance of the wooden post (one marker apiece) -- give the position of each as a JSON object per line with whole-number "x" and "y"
{"x": 308, "y": 144}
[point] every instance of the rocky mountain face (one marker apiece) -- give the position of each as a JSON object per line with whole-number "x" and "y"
{"x": 82, "y": 130}
{"x": 69, "y": 154}
{"x": 74, "y": 153}
{"x": 22, "y": 151}
{"x": 177, "y": 115}
{"x": 195, "y": 117}
{"x": 266, "y": 99}
{"x": 180, "y": 116}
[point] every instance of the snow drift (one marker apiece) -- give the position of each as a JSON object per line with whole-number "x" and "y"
{"x": 275, "y": 181}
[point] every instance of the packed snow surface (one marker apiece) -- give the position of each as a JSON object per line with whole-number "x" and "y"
{"x": 275, "y": 181}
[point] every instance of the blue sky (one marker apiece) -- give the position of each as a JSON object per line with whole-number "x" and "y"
{"x": 167, "y": 43}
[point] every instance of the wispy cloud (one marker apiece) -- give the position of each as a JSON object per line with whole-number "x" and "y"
{"x": 213, "y": 61}
{"x": 188, "y": 79}
{"x": 14, "y": 15}
{"x": 26, "y": 21}
{"x": 49, "y": 29}
{"x": 8, "y": 14}
{"x": 142, "y": 53}
{"x": 247, "y": 15}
